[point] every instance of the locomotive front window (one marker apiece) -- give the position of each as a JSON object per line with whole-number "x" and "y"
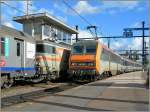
{"x": 40, "y": 48}
{"x": 78, "y": 49}
{"x": 91, "y": 49}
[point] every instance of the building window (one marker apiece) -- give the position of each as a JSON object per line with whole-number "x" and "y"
{"x": 47, "y": 30}
{"x": 53, "y": 32}
{"x": 3, "y": 46}
{"x": 18, "y": 49}
{"x": 37, "y": 29}
{"x": 69, "y": 38}
{"x": 59, "y": 34}
{"x": 27, "y": 28}
{"x": 64, "y": 36}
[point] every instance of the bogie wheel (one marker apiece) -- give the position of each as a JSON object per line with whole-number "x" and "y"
{"x": 8, "y": 83}
{"x": 55, "y": 75}
{"x": 2, "y": 83}
{"x": 110, "y": 74}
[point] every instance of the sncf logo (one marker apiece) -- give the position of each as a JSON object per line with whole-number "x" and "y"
{"x": 2, "y": 62}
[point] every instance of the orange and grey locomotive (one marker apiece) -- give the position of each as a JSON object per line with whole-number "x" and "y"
{"x": 52, "y": 59}
{"x": 91, "y": 60}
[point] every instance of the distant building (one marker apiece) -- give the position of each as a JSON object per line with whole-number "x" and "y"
{"x": 44, "y": 26}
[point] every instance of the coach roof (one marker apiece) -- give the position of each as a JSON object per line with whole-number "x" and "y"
{"x": 5, "y": 30}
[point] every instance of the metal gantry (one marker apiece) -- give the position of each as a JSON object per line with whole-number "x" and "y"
{"x": 128, "y": 33}
{"x": 126, "y": 30}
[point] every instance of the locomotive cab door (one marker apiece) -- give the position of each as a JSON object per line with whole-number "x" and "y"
{"x": 54, "y": 64}
{"x": 19, "y": 53}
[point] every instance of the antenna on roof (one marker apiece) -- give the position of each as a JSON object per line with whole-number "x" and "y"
{"x": 28, "y": 4}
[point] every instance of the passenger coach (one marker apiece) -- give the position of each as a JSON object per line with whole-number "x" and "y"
{"x": 17, "y": 56}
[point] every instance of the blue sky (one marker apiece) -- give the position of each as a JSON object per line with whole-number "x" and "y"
{"x": 110, "y": 16}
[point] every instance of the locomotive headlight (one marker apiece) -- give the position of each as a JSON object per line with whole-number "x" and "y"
{"x": 73, "y": 64}
{"x": 91, "y": 64}
{"x": 82, "y": 63}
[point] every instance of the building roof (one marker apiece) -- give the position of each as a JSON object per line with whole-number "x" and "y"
{"x": 5, "y": 30}
{"x": 47, "y": 18}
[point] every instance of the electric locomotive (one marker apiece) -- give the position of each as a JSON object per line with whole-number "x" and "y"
{"x": 90, "y": 60}
{"x": 52, "y": 59}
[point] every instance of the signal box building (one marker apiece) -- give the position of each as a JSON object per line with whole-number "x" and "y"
{"x": 43, "y": 26}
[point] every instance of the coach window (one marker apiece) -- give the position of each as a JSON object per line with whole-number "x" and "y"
{"x": 18, "y": 49}
{"x": 105, "y": 55}
{"x": 3, "y": 46}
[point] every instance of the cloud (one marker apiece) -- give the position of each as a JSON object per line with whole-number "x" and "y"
{"x": 136, "y": 24}
{"x": 112, "y": 11}
{"x": 45, "y": 10}
{"x": 140, "y": 9}
{"x": 8, "y": 12}
{"x": 116, "y": 45}
{"x": 136, "y": 44}
{"x": 60, "y": 7}
{"x": 20, "y": 5}
{"x": 83, "y": 7}
{"x": 82, "y": 34}
{"x": 51, "y": 12}
{"x": 23, "y": 5}
{"x": 113, "y": 7}
{"x": 86, "y": 34}
{"x": 9, "y": 24}
{"x": 120, "y": 4}
{"x": 63, "y": 19}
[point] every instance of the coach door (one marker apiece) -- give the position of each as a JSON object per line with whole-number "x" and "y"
{"x": 19, "y": 52}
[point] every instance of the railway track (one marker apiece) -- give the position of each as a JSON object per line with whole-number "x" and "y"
{"x": 12, "y": 100}
{"x": 15, "y": 99}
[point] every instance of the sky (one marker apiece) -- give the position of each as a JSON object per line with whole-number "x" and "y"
{"x": 110, "y": 17}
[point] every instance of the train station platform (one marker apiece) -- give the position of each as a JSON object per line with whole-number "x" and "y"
{"x": 125, "y": 92}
